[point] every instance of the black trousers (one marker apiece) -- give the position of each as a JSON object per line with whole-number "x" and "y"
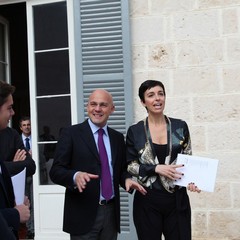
{"x": 104, "y": 227}
{"x": 156, "y": 214}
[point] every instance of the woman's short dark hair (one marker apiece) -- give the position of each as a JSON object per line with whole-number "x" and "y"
{"x": 147, "y": 85}
{"x": 5, "y": 90}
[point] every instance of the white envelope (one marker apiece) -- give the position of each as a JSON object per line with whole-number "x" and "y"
{"x": 199, "y": 170}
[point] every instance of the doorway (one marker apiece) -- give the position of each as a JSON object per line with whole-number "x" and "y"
{"x": 15, "y": 14}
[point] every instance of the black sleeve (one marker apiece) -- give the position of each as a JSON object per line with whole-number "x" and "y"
{"x": 6, "y": 232}
{"x": 18, "y": 166}
{"x": 11, "y": 217}
{"x": 133, "y": 141}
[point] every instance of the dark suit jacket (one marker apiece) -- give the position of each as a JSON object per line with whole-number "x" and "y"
{"x": 10, "y": 142}
{"x": 77, "y": 151}
{"x": 7, "y": 200}
{"x": 5, "y": 232}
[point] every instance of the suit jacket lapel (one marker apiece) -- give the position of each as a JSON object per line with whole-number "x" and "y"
{"x": 88, "y": 138}
{"x": 113, "y": 143}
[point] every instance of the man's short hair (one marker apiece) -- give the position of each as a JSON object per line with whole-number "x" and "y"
{"x": 5, "y": 90}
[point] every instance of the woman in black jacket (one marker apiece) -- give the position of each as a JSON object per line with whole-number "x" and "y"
{"x": 152, "y": 148}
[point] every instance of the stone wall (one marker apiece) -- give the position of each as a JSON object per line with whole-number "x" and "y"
{"x": 193, "y": 47}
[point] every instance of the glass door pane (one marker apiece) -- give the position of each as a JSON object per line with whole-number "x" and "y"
{"x": 52, "y": 80}
{"x": 2, "y": 52}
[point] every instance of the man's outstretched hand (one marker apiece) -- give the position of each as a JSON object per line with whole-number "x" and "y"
{"x": 82, "y": 178}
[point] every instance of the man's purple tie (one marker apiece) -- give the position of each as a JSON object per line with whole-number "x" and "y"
{"x": 106, "y": 180}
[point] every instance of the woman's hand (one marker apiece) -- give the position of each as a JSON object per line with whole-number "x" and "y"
{"x": 193, "y": 188}
{"x": 131, "y": 184}
{"x": 169, "y": 171}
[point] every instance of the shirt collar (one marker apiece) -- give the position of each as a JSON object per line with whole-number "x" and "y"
{"x": 24, "y": 137}
{"x": 95, "y": 128}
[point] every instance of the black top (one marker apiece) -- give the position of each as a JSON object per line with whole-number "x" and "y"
{"x": 161, "y": 152}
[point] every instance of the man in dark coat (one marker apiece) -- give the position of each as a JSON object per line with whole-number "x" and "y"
{"x": 13, "y": 214}
{"x": 88, "y": 213}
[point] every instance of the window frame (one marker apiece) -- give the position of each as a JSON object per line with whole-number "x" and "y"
{"x": 6, "y": 61}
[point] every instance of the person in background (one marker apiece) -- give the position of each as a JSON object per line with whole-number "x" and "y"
{"x": 46, "y": 154}
{"x": 90, "y": 161}
{"x": 49, "y": 148}
{"x": 152, "y": 147}
{"x": 25, "y": 127}
{"x": 12, "y": 213}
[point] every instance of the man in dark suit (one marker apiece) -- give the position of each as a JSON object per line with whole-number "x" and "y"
{"x": 13, "y": 214}
{"x": 89, "y": 212}
{"x": 5, "y": 232}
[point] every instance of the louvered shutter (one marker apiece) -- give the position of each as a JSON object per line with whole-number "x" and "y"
{"x": 105, "y": 49}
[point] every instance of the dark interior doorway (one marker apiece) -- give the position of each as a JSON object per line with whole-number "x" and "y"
{"x": 15, "y": 14}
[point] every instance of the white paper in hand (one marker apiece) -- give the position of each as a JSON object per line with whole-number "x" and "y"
{"x": 199, "y": 170}
{"x": 18, "y": 182}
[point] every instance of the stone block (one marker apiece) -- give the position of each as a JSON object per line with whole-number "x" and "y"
{"x": 231, "y": 79}
{"x": 201, "y": 52}
{"x": 230, "y": 21}
{"x": 148, "y": 29}
{"x": 161, "y": 55}
{"x": 224, "y": 224}
{"x": 195, "y": 81}
{"x": 195, "y": 25}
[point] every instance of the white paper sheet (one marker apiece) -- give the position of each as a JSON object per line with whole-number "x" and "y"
{"x": 199, "y": 170}
{"x": 18, "y": 182}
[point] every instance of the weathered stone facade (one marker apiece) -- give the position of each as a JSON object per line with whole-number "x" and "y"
{"x": 193, "y": 47}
